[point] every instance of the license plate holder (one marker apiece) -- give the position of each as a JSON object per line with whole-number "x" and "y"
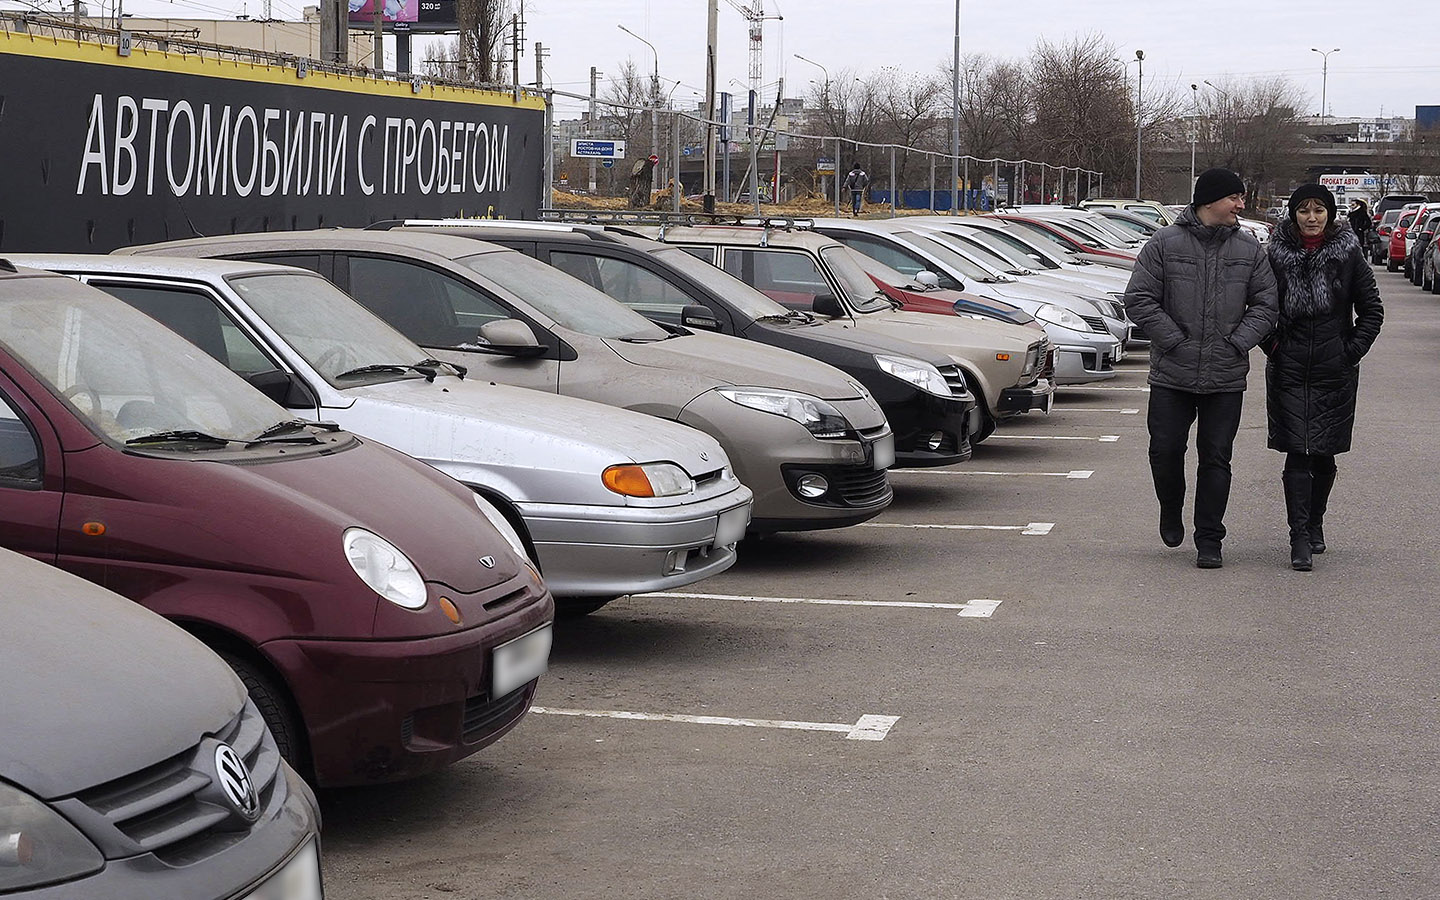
{"x": 515, "y": 663}
{"x": 731, "y": 526}
{"x": 883, "y": 451}
{"x": 298, "y": 879}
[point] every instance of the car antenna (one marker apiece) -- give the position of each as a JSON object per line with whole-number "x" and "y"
{"x": 194, "y": 232}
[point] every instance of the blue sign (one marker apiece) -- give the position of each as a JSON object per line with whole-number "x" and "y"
{"x": 607, "y": 163}
{"x": 597, "y": 149}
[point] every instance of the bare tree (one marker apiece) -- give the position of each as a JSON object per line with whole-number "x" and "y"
{"x": 1084, "y": 114}
{"x": 1251, "y": 128}
{"x": 483, "y": 25}
{"x": 907, "y": 108}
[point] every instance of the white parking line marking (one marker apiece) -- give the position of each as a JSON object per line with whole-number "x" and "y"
{"x": 911, "y": 604}
{"x": 1032, "y": 528}
{"x": 1073, "y": 473}
{"x": 868, "y": 728}
{"x": 1121, "y": 410}
{"x": 1107, "y": 387}
{"x": 979, "y": 609}
{"x": 1104, "y": 438}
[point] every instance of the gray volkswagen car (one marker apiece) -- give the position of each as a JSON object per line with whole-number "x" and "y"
{"x": 132, "y": 764}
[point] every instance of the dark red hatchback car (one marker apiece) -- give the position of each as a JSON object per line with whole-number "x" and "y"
{"x": 381, "y": 623}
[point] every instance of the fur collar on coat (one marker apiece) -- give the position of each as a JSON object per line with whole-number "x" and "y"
{"x": 1305, "y": 275}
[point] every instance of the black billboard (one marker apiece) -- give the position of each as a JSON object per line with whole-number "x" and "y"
{"x": 96, "y": 156}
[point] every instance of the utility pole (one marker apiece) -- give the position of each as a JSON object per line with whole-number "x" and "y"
{"x": 712, "y": 17}
{"x": 594, "y": 74}
{"x": 515, "y": 38}
{"x": 377, "y": 59}
{"x": 955, "y": 122}
{"x": 1194, "y": 128}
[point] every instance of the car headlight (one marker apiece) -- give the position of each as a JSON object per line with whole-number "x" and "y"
{"x": 917, "y": 372}
{"x": 648, "y": 480}
{"x": 382, "y": 566}
{"x": 818, "y": 417}
{"x": 502, "y": 525}
{"x": 1058, "y": 315}
{"x": 38, "y": 845}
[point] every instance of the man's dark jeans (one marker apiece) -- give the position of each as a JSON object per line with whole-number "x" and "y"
{"x": 1171, "y": 414}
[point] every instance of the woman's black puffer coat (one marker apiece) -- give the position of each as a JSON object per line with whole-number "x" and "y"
{"x": 1330, "y": 314}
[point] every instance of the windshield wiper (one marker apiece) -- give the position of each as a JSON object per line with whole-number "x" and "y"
{"x": 272, "y": 434}
{"x": 428, "y": 371}
{"x": 179, "y": 435}
{"x": 459, "y": 370}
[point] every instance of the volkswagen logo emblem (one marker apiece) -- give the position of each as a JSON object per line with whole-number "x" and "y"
{"x": 487, "y": 561}
{"x": 235, "y": 782}
{"x": 705, "y": 456}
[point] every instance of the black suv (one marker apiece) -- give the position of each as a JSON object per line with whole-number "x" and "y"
{"x": 932, "y": 418}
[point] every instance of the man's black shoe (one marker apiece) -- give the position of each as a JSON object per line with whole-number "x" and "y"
{"x": 1209, "y": 559}
{"x": 1172, "y": 535}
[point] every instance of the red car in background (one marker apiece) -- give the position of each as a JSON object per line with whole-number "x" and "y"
{"x": 916, "y": 296}
{"x": 1395, "y": 258}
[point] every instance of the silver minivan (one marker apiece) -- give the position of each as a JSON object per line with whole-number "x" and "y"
{"x": 132, "y": 764}
{"x": 607, "y": 502}
{"x": 809, "y": 440}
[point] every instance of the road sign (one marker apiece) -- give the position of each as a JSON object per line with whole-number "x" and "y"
{"x": 825, "y": 165}
{"x": 597, "y": 149}
{"x": 607, "y": 163}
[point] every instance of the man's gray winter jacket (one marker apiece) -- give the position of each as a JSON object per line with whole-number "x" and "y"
{"x": 1204, "y": 295}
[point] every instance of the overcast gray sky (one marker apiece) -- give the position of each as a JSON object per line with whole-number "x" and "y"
{"x": 1385, "y": 63}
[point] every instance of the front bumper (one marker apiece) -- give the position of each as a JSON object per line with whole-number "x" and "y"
{"x": 388, "y": 710}
{"x": 925, "y": 419}
{"x": 594, "y": 551}
{"x": 232, "y": 874}
{"x": 766, "y": 451}
{"x": 1080, "y": 364}
{"x": 1017, "y": 400}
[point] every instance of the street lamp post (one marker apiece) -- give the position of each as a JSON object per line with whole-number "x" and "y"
{"x": 1194, "y": 126}
{"x": 1139, "y": 99}
{"x": 654, "y": 94}
{"x": 955, "y": 123}
{"x": 825, "y": 108}
{"x": 1324, "y": 77}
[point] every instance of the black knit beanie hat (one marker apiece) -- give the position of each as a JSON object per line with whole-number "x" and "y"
{"x": 1215, "y": 184}
{"x": 1312, "y": 192}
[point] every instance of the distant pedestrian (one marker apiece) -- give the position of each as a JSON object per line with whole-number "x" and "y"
{"x": 1204, "y": 293}
{"x": 1330, "y": 315}
{"x": 855, "y": 183}
{"x": 1361, "y": 223}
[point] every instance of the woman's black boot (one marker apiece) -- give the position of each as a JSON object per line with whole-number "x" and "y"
{"x": 1298, "y": 486}
{"x": 1319, "y": 497}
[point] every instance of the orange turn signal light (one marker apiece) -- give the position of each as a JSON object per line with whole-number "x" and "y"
{"x": 1003, "y": 357}
{"x": 93, "y": 529}
{"x": 449, "y": 609}
{"x": 628, "y": 480}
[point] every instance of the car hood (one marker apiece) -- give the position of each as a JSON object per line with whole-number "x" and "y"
{"x": 735, "y": 361}
{"x": 952, "y": 335}
{"x": 829, "y": 334}
{"x": 528, "y": 444}
{"x": 99, "y": 687}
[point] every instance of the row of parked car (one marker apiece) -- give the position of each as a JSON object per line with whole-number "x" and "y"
{"x": 362, "y": 518}
{"x": 1404, "y": 239}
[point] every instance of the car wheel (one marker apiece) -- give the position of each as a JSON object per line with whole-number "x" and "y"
{"x": 1435, "y": 284}
{"x": 575, "y": 607}
{"x": 1425, "y": 283}
{"x": 1390, "y": 265}
{"x": 275, "y": 708}
{"x": 987, "y": 426}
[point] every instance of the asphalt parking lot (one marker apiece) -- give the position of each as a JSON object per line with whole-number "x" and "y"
{"x": 1004, "y": 687}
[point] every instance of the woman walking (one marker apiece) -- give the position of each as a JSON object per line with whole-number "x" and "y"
{"x": 1330, "y": 314}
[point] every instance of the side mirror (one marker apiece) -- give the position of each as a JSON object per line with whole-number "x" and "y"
{"x": 696, "y": 315}
{"x": 284, "y": 388}
{"x": 926, "y": 278}
{"x": 510, "y": 337}
{"x": 827, "y": 305}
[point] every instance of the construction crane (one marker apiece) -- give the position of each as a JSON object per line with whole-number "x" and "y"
{"x": 755, "y": 14}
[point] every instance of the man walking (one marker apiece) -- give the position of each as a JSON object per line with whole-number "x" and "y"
{"x": 1204, "y": 293}
{"x": 855, "y": 183}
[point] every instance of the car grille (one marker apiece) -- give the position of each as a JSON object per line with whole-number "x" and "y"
{"x": 1117, "y": 308}
{"x": 483, "y": 715}
{"x": 955, "y": 380}
{"x": 169, "y": 810}
{"x": 860, "y": 485}
{"x": 1096, "y": 323}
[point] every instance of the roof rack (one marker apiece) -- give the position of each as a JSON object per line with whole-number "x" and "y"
{"x": 667, "y": 220}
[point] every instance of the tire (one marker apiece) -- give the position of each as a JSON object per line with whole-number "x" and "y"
{"x": 275, "y": 707}
{"x": 1390, "y": 265}
{"x": 575, "y": 607}
{"x": 1435, "y": 284}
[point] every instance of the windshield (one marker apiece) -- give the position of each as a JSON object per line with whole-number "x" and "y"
{"x": 1140, "y": 229}
{"x": 332, "y": 332}
{"x": 1044, "y": 236}
{"x": 1094, "y": 231}
{"x": 737, "y": 293}
{"x": 1012, "y": 247}
{"x": 1088, "y": 239}
{"x": 940, "y": 247}
{"x": 864, "y": 294}
{"x": 569, "y": 302}
{"x": 876, "y": 269}
{"x": 123, "y": 372}
{"x": 989, "y": 257}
